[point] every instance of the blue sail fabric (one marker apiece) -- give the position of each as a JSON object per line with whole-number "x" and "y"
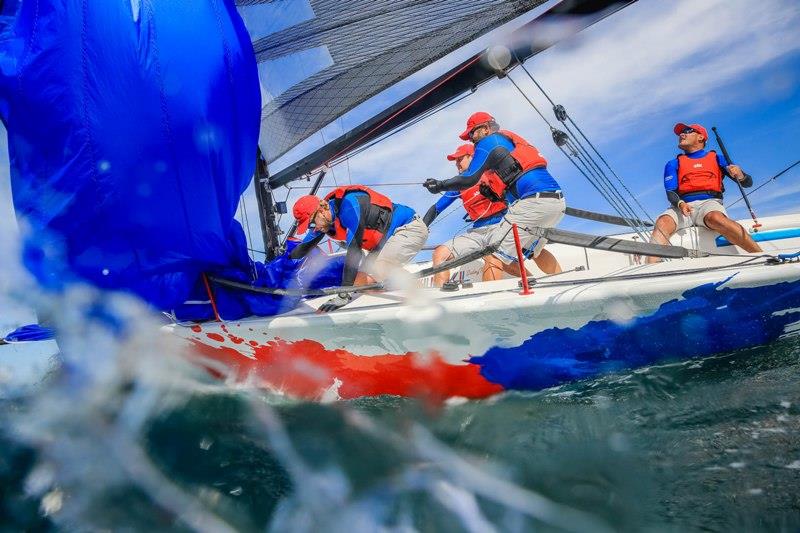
{"x": 317, "y": 270}
{"x": 31, "y": 332}
{"x": 132, "y": 130}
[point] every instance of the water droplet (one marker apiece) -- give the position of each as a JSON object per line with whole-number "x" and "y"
{"x": 237, "y": 491}
{"x": 103, "y": 165}
{"x": 737, "y": 465}
{"x": 52, "y": 502}
{"x": 206, "y": 443}
{"x": 499, "y": 57}
{"x": 105, "y": 272}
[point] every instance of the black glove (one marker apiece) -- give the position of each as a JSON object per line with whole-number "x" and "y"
{"x": 340, "y": 300}
{"x": 488, "y": 192}
{"x": 433, "y": 186}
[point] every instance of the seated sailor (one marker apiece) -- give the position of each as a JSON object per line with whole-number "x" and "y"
{"x": 520, "y": 177}
{"x": 481, "y": 211}
{"x": 693, "y": 182}
{"x": 364, "y": 219}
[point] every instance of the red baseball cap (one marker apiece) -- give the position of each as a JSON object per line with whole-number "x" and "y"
{"x": 476, "y": 119}
{"x": 461, "y": 151}
{"x": 304, "y": 208}
{"x": 680, "y": 126}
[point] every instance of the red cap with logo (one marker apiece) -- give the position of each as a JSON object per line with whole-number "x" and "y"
{"x": 461, "y": 151}
{"x": 476, "y": 119}
{"x": 304, "y": 208}
{"x": 680, "y": 126}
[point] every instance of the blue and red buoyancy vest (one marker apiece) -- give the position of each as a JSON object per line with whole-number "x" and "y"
{"x": 377, "y": 219}
{"x": 477, "y": 205}
{"x": 526, "y": 156}
{"x": 701, "y": 175}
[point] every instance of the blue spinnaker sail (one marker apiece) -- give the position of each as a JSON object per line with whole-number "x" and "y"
{"x": 132, "y": 132}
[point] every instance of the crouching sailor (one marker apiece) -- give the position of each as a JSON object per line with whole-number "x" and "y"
{"x": 364, "y": 219}
{"x": 693, "y": 182}
{"x": 519, "y": 176}
{"x": 481, "y": 211}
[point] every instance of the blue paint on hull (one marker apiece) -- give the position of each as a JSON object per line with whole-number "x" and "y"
{"x": 707, "y": 319}
{"x": 763, "y": 236}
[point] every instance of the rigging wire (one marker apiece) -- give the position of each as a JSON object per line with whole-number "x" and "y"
{"x": 767, "y": 181}
{"x": 598, "y": 180}
{"x": 561, "y": 114}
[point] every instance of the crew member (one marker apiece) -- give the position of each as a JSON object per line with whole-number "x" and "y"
{"x": 364, "y": 219}
{"x": 519, "y": 176}
{"x": 693, "y": 182}
{"x": 481, "y": 211}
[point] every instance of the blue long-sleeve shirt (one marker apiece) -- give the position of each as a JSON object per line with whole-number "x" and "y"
{"x": 447, "y": 199}
{"x": 490, "y": 153}
{"x": 349, "y": 216}
{"x": 671, "y": 178}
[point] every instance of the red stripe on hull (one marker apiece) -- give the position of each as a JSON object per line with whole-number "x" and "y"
{"x": 306, "y": 369}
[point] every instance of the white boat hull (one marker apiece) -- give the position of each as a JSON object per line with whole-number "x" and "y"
{"x": 617, "y": 314}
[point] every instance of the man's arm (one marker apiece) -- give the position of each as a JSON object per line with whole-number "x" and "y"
{"x": 734, "y": 172}
{"x": 482, "y": 162}
{"x": 309, "y": 243}
{"x": 441, "y": 204}
{"x": 350, "y": 217}
{"x": 671, "y": 182}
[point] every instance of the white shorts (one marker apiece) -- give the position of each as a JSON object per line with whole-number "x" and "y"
{"x": 404, "y": 244}
{"x": 472, "y": 241}
{"x": 529, "y": 212}
{"x": 700, "y": 208}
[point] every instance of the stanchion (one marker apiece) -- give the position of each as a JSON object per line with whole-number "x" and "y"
{"x": 521, "y": 258}
{"x": 211, "y": 298}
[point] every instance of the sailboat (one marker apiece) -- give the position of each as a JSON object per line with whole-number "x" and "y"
{"x": 608, "y": 311}
{"x": 253, "y": 322}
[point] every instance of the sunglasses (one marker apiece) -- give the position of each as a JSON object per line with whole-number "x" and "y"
{"x": 476, "y": 128}
{"x": 688, "y": 131}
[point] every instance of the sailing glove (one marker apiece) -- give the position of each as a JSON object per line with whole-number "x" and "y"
{"x": 340, "y": 300}
{"x": 433, "y": 186}
{"x": 487, "y": 192}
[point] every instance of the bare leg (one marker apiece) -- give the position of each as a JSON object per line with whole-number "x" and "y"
{"x": 363, "y": 279}
{"x": 665, "y": 227}
{"x": 513, "y": 269}
{"x": 731, "y": 230}
{"x": 492, "y": 268}
{"x": 440, "y": 255}
{"x": 547, "y": 262}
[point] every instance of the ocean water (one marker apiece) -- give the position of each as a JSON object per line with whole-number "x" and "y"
{"x": 700, "y": 445}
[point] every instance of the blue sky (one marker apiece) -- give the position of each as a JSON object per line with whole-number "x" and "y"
{"x": 626, "y": 81}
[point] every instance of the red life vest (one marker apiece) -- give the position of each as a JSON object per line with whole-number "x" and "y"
{"x": 377, "y": 220}
{"x": 526, "y": 156}
{"x": 700, "y": 175}
{"x": 477, "y": 205}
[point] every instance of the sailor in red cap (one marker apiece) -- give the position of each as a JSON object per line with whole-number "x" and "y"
{"x": 482, "y": 212}
{"x": 391, "y": 234}
{"x": 506, "y": 167}
{"x": 693, "y": 182}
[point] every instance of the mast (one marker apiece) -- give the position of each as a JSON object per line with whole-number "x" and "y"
{"x": 266, "y": 208}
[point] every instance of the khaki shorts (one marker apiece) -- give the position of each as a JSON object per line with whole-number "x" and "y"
{"x": 528, "y": 212}
{"x": 471, "y": 241}
{"x": 700, "y": 208}
{"x": 399, "y": 249}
